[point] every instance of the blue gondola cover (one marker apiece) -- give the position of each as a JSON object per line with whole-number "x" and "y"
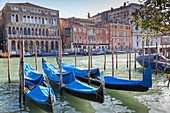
{"x": 32, "y": 76}
{"x": 40, "y": 94}
{"x": 79, "y": 71}
{"x": 68, "y": 78}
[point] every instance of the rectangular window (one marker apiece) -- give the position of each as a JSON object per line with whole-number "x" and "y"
{"x": 100, "y": 31}
{"x": 75, "y": 30}
{"x": 107, "y": 32}
{"x": 121, "y": 41}
{"x": 80, "y": 39}
{"x": 120, "y": 27}
{"x": 115, "y": 34}
{"x": 107, "y": 40}
{"x": 97, "y": 39}
{"x": 100, "y": 39}
{"x": 84, "y": 40}
{"x": 31, "y": 10}
{"x": 115, "y": 27}
{"x": 84, "y": 31}
{"x": 120, "y": 34}
{"x": 75, "y": 39}
{"x": 112, "y": 33}
{"x": 24, "y": 9}
{"x": 79, "y": 30}
{"x": 97, "y": 32}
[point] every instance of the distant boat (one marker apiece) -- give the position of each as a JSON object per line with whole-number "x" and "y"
{"x": 4, "y": 55}
{"x": 121, "y": 52}
{"x": 111, "y": 82}
{"x": 27, "y": 55}
{"x": 161, "y": 62}
{"x": 37, "y": 90}
{"x": 71, "y": 85}
{"x": 98, "y": 53}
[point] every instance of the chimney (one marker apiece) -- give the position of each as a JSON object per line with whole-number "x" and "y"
{"x": 124, "y": 4}
{"x": 88, "y": 15}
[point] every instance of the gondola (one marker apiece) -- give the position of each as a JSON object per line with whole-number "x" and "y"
{"x": 37, "y": 90}
{"x": 111, "y": 82}
{"x": 161, "y": 64}
{"x": 71, "y": 85}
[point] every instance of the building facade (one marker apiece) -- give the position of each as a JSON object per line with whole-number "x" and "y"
{"x": 123, "y": 14}
{"x": 35, "y": 24}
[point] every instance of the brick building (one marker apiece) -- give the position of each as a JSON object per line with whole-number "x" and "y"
{"x": 75, "y": 33}
{"x": 33, "y": 23}
{"x": 123, "y": 15}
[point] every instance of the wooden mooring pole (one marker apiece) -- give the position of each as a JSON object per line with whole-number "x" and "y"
{"x": 130, "y": 62}
{"x": 149, "y": 51}
{"x": 143, "y": 56}
{"x": 22, "y": 70}
{"x": 116, "y": 59}
{"x": 127, "y": 56}
{"x": 156, "y": 72}
{"x": 135, "y": 59}
{"x": 60, "y": 63}
{"x": 91, "y": 57}
{"x": 36, "y": 56}
{"x": 75, "y": 56}
{"x": 20, "y": 78}
{"x": 105, "y": 59}
{"x": 9, "y": 80}
{"x": 89, "y": 64}
{"x": 112, "y": 60}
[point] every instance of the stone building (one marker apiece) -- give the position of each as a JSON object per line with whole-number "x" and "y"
{"x": 35, "y": 24}
{"x": 123, "y": 14}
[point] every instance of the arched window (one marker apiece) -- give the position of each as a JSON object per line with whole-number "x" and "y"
{"x": 35, "y": 20}
{"x": 13, "y": 31}
{"x": 32, "y": 31}
{"x": 21, "y": 32}
{"x": 13, "y": 45}
{"x": 46, "y": 46}
{"x": 56, "y": 45}
{"x": 58, "y": 33}
{"x": 55, "y": 33}
{"x": 46, "y": 32}
{"x": 26, "y": 46}
{"x": 52, "y": 45}
{"x": 42, "y": 20}
{"x": 18, "y": 45}
{"x": 46, "y": 21}
{"x": 39, "y": 32}
{"x": 17, "y": 30}
{"x": 29, "y": 31}
{"x": 43, "y": 32}
{"x": 32, "y": 19}
{"x": 16, "y": 18}
{"x": 28, "y": 19}
{"x": 25, "y": 31}
{"x": 39, "y": 20}
{"x": 35, "y": 31}
{"x": 12, "y": 18}
{"x": 9, "y": 30}
{"x": 24, "y": 19}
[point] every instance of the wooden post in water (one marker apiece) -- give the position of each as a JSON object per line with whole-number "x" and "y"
{"x": 127, "y": 56}
{"x": 36, "y": 56}
{"x": 156, "y": 57}
{"x": 60, "y": 63}
{"x": 20, "y": 78}
{"x": 89, "y": 64}
{"x": 143, "y": 55}
{"x": 130, "y": 61}
{"x": 75, "y": 55}
{"x": 116, "y": 59}
{"x": 135, "y": 59}
{"x": 149, "y": 52}
{"x": 9, "y": 80}
{"x": 91, "y": 57}
{"x": 112, "y": 60}
{"x": 22, "y": 66}
{"x": 105, "y": 59}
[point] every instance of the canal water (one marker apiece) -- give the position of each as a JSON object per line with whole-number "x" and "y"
{"x": 155, "y": 100}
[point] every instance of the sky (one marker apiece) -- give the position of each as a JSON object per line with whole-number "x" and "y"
{"x": 74, "y": 8}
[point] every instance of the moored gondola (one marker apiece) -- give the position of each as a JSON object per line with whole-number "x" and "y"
{"x": 71, "y": 85}
{"x": 111, "y": 82}
{"x": 37, "y": 90}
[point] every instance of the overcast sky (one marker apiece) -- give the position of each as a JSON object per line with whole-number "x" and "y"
{"x": 75, "y": 8}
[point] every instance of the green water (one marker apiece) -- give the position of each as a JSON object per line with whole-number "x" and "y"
{"x": 156, "y": 100}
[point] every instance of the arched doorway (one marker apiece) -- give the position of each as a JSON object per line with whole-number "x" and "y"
{"x": 42, "y": 47}
{"x": 46, "y": 46}
{"x": 56, "y": 45}
{"x": 31, "y": 47}
{"x": 13, "y": 46}
{"x": 26, "y": 46}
